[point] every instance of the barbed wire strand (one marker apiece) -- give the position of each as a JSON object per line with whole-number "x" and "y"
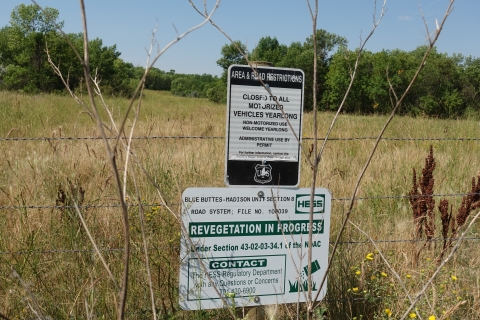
{"x": 223, "y": 137}
{"x": 53, "y": 251}
{"x": 178, "y": 204}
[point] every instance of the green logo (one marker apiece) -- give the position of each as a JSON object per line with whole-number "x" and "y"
{"x": 302, "y": 203}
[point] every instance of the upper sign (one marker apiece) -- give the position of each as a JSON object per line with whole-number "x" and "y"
{"x": 249, "y": 246}
{"x": 261, "y": 147}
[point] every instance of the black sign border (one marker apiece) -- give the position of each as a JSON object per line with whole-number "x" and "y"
{"x": 242, "y": 172}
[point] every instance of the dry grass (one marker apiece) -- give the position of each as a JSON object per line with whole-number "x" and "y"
{"x": 67, "y": 282}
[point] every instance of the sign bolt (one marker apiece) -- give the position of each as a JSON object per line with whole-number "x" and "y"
{"x": 261, "y": 194}
{"x": 257, "y": 298}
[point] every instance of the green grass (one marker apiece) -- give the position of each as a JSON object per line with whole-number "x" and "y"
{"x": 67, "y": 282}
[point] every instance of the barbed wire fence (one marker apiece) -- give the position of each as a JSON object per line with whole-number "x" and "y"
{"x": 172, "y": 246}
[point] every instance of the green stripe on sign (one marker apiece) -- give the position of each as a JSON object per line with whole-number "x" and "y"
{"x": 252, "y": 228}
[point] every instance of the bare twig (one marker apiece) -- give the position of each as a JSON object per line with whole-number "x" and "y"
{"x": 440, "y": 266}
{"x": 36, "y": 307}
{"x": 313, "y": 15}
{"x": 382, "y": 131}
{"x": 159, "y": 54}
{"x": 320, "y": 153}
{"x": 94, "y": 244}
{"x": 352, "y": 78}
{"x": 111, "y": 151}
{"x": 402, "y": 284}
{"x": 145, "y": 246}
{"x": 245, "y": 55}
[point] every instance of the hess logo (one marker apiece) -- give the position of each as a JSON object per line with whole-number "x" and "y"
{"x": 302, "y": 203}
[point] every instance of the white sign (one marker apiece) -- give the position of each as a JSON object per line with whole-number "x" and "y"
{"x": 252, "y": 245}
{"x": 257, "y": 128}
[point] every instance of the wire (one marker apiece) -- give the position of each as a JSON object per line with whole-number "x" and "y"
{"x": 223, "y": 137}
{"x": 53, "y": 251}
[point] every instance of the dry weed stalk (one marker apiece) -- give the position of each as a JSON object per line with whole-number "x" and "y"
{"x": 446, "y": 217}
{"x": 111, "y": 150}
{"x": 423, "y": 209}
{"x": 34, "y": 306}
{"x": 396, "y": 105}
{"x": 423, "y": 204}
{"x": 439, "y": 268}
{"x": 470, "y": 202}
{"x": 316, "y": 161}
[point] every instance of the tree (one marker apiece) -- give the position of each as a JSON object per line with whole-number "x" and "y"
{"x": 471, "y": 82}
{"x": 437, "y": 91}
{"x": 159, "y": 80}
{"x": 24, "y": 42}
{"x": 301, "y": 56}
{"x": 32, "y": 37}
{"x": 30, "y": 19}
{"x": 217, "y": 91}
{"x": 269, "y": 50}
{"x": 192, "y": 85}
{"x": 231, "y": 55}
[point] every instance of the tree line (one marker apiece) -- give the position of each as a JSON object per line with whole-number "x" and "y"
{"x": 447, "y": 87}
{"x": 32, "y": 38}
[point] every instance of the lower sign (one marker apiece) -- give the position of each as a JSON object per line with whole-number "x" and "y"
{"x": 249, "y": 246}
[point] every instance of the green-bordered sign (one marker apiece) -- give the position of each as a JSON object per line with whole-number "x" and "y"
{"x": 251, "y": 245}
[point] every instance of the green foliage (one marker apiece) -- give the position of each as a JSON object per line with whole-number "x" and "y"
{"x": 231, "y": 55}
{"x": 269, "y": 50}
{"x": 30, "y": 19}
{"x": 159, "y": 80}
{"x": 446, "y": 87}
{"x": 297, "y": 55}
{"x": 24, "y": 59}
{"x": 192, "y": 85}
{"x": 217, "y": 92}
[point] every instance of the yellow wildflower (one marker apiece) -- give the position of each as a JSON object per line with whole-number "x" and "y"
{"x": 369, "y": 256}
{"x": 412, "y": 315}
{"x": 409, "y": 276}
{"x": 358, "y": 272}
{"x": 388, "y": 312}
{"x": 355, "y": 289}
{"x": 454, "y": 278}
{"x": 432, "y": 318}
{"x": 383, "y": 274}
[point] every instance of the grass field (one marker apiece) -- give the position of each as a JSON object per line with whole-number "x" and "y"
{"x": 42, "y": 239}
